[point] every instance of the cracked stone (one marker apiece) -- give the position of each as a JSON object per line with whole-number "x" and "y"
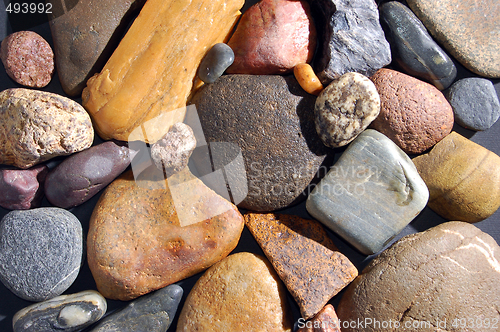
{"x": 370, "y": 194}
{"x": 430, "y": 277}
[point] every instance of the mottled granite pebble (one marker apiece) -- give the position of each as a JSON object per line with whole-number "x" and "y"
{"x": 325, "y": 321}
{"x": 413, "y": 49}
{"x": 304, "y": 257}
{"x": 28, "y": 59}
{"x": 272, "y": 37}
{"x": 215, "y": 62}
{"x": 22, "y": 189}
{"x": 82, "y": 175}
{"x": 152, "y": 313}
{"x": 463, "y": 179}
{"x": 474, "y": 102}
{"x": 414, "y": 114}
{"x": 350, "y": 37}
{"x": 370, "y": 194}
{"x": 40, "y": 252}
{"x": 429, "y": 281}
{"x": 468, "y": 29}
{"x": 345, "y": 108}
{"x": 37, "y": 126}
{"x": 240, "y": 293}
{"x": 171, "y": 153}
{"x": 65, "y": 313}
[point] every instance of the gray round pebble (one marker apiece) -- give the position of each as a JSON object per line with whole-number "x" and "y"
{"x": 40, "y": 252}
{"x": 215, "y": 62}
{"x": 474, "y": 102}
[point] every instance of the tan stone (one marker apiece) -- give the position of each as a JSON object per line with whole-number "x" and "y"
{"x": 146, "y": 234}
{"x": 36, "y": 126}
{"x": 463, "y": 179}
{"x": 239, "y": 293}
{"x": 153, "y": 69}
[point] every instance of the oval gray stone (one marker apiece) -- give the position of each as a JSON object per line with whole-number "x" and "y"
{"x": 370, "y": 194}
{"x": 413, "y": 48}
{"x": 345, "y": 108}
{"x": 82, "y": 175}
{"x": 152, "y": 313}
{"x": 215, "y": 62}
{"x": 475, "y": 103}
{"x": 65, "y": 313}
{"x": 270, "y": 118}
{"x": 40, "y": 252}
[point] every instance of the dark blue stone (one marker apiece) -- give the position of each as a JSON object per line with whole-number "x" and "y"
{"x": 215, "y": 62}
{"x": 413, "y": 49}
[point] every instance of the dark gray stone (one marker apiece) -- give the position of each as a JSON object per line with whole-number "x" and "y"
{"x": 413, "y": 49}
{"x": 40, "y": 252}
{"x": 271, "y": 119}
{"x": 65, "y": 313}
{"x": 82, "y": 175}
{"x": 474, "y": 102}
{"x": 215, "y": 62}
{"x": 370, "y": 194}
{"x": 22, "y": 189}
{"x": 151, "y": 313}
{"x": 352, "y": 38}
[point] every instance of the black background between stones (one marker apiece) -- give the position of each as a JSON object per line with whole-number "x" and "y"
{"x": 10, "y": 304}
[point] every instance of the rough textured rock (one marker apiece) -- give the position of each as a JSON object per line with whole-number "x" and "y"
{"x": 82, "y": 175}
{"x": 171, "y": 153}
{"x": 152, "y": 72}
{"x": 370, "y": 194}
{"x": 345, "y": 108}
{"x": 215, "y": 62}
{"x": 325, "y": 321}
{"x": 67, "y": 313}
{"x": 27, "y": 58}
{"x": 413, "y": 49}
{"x": 240, "y": 293}
{"x": 304, "y": 257}
{"x": 152, "y": 313}
{"x": 413, "y": 113}
{"x": 468, "y": 30}
{"x": 22, "y": 189}
{"x": 304, "y": 74}
{"x": 39, "y": 125}
{"x": 442, "y": 278}
{"x": 147, "y": 233}
{"x": 270, "y": 118}
{"x": 85, "y": 36}
{"x": 352, "y": 38}
{"x": 272, "y": 37}
{"x": 40, "y": 252}
{"x": 463, "y": 179}
{"x": 474, "y": 102}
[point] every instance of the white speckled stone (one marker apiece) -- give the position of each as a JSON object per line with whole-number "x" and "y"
{"x": 370, "y": 194}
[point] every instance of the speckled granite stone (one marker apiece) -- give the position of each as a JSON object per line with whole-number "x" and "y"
{"x": 468, "y": 29}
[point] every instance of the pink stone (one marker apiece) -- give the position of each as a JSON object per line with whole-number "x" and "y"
{"x": 272, "y": 37}
{"x": 22, "y": 188}
{"x": 325, "y": 321}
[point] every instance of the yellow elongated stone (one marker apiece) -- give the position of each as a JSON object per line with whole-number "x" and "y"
{"x": 154, "y": 67}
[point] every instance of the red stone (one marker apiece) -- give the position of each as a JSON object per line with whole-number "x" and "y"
{"x": 325, "y": 321}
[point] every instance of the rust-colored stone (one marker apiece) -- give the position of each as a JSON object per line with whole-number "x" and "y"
{"x": 143, "y": 236}
{"x": 325, "y": 321}
{"x": 304, "y": 258}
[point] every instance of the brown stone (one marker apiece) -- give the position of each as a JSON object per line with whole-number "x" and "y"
{"x": 36, "y": 126}
{"x": 325, "y": 321}
{"x": 272, "y": 37}
{"x": 463, "y": 179}
{"x": 152, "y": 71}
{"x": 149, "y": 233}
{"x": 467, "y": 29}
{"x": 304, "y": 257}
{"x": 413, "y": 113}
{"x": 28, "y": 59}
{"x": 86, "y": 36}
{"x": 240, "y": 293}
{"x": 443, "y": 279}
